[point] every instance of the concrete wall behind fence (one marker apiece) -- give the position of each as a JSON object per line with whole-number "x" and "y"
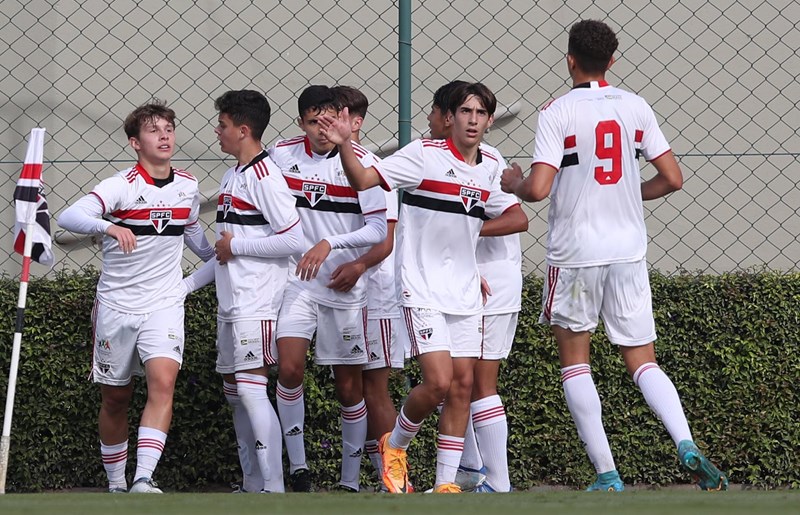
{"x": 720, "y": 76}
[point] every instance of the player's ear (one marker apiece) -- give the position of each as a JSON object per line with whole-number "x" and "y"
{"x": 491, "y": 121}
{"x": 356, "y": 123}
{"x": 134, "y": 143}
{"x": 611, "y": 62}
{"x": 448, "y": 118}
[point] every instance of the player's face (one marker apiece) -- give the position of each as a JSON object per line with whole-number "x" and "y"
{"x": 439, "y": 123}
{"x": 156, "y": 141}
{"x": 470, "y": 122}
{"x": 309, "y": 123}
{"x": 228, "y": 134}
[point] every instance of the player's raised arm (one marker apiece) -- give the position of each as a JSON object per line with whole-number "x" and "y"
{"x": 338, "y": 131}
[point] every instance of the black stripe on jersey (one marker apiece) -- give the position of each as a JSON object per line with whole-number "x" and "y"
{"x": 150, "y": 230}
{"x": 237, "y": 219}
{"x": 435, "y": 204}
{"x": 569, "y": 160}
{"x": 327, "y": 205}
{"x": 638, "y": 153}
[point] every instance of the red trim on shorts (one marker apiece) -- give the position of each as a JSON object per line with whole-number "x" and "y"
{"x": 552, "y": 279}
{"x": 266, "y": 342}
{"x": 94, "y": 335}
{"x": 412, "y": 336}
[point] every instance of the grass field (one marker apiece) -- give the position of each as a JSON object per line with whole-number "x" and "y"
{"x": 645, "y": 502}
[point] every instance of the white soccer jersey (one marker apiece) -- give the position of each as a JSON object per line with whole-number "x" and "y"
{"x": 594, "y": 135}
{"x": 382, "y": 295}
{"x": 254, "y": 202}
{"x": 146, "y": 279}
{"x": 500, "y": 258}
{"x": 443, "y": 204}
{"x": 327, "y": 206}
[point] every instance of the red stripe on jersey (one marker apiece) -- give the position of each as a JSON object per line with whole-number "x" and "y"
{"x": 178, "y": 213}
{"x": 131, "y": 175}
{"x": 103, "y": 204}
{"x": 31, "y": 171}
{"x": 448, "y": 188}
{"x": 359, "y": 150}
{"x": 284, "y": 230}
{"x": 570, "y": 142}
{"x": 237, "y": 203}
{"x": 332, "y": 190}
{"x": 141, "y": 171}
{"x": 291, "y": 141}
{"x": 260, "y": 168}
{"x": 602, "y": 83}
{"x": 438, "y": 143}
{"x": 490, "y": 156}
{"x": 547, "y": 104}
{"x": 185, "y": 175}
{"x": 638, "y": 136}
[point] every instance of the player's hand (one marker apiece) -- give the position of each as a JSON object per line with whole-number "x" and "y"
{"x": 124, "y": 237}
{"x": 486, "y": 292}
{"x": 336, "y": 129}
{"x": 346, "y": 276}
{"x": 222, "y": 248}
{"x": 311, "y": 262}
{"x": 511, "y": 178}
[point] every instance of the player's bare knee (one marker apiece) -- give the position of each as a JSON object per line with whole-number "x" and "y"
{"x": 290, "y": 373}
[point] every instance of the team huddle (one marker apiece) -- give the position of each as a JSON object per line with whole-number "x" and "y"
{"x": 313, "y": 242}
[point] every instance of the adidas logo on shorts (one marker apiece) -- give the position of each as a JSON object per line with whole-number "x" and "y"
{"x": 250, "y": 357}
{"x": 176, "y": 349}
{"x": 140, "y": 200}
{"x": 356, "y": 350}
{"x": 373, "y": 356}
{"x": 294, "y": 431}
{"x": 260, "y": 446}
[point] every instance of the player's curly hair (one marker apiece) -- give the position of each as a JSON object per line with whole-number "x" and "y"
{"x": 592, "y": 43}
{"x": 246, "y": 107}
{"x": 146, "y": 114}
{"x": 353, "y": 99}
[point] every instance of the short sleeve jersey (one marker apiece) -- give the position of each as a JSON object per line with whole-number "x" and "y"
{"x": 593, "y": 136}
{"x": 441, "y": 214}
{"x": 382, "y": 295}
{"x": 254, "y": 202}
{"x": 146, "y": 279}
{"x": 327, "y": 206}
{"x": 500, "y": 259}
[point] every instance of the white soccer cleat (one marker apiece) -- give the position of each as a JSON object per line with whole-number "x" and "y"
{"x": 145, "y": 485}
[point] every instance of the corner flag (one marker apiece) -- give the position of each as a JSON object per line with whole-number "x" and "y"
{"x": 31, "y": 205}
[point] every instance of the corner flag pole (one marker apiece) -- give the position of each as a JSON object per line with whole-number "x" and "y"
{"x": 36, "y": 144}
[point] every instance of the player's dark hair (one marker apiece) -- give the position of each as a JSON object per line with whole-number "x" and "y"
{"x": 441, "y": 98}
{"x": 592, "y": 43}
{"x": 316, "y": 98}
{"x": 246, "y": 107}
{"x": 351, "y": 98}
{"x": 462, "y": 92}
{"x": 146, "y": 114}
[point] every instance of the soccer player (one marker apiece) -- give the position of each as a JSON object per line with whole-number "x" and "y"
{"x": 258, "y": 228}
{"x": 145, "y": 214}
{"x": 383, "y": 304}
{"x": 588, "y": 143}
{"x": 337, "y": 222}
{"x": 484, "y": 463}
{"x": 447, "y": 190}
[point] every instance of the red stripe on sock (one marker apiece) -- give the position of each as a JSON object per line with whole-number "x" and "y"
{"x": 480, "y": 416}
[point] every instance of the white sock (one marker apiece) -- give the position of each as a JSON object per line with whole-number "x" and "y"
{"x": 149, "y": 447}
{"x": 584, "y": 405}
{"x": 663, "y": 399}
{"x": 354, "y": 432}
{"x": 115, "y": 458}
{"x": 252, "y": 480}
{"x": 404, "y": 431}
{"x": 291, "y": 408}
{"x": 252, "y": 390}
{"x": 371, "y": 447}
{"x": 471, "y": 457}
{"x": 448, "y": 456}
{"x": 491, "y": 432}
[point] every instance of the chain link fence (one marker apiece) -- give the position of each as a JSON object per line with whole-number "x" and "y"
{"x": 719, "y": 75}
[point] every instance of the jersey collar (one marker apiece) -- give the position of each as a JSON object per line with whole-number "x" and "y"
{"x": 592, "y": 84}
{"x": 253, "y": 161}
{"x": 149, "y": 179}
{"x": 310, "y": 153}
{"x": 452, "y": 147}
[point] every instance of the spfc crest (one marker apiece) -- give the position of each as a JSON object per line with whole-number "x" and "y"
{"x": 160, "y": 218}
{"x": 426, "y": 333}
{"x": 314, "y": 192}
{"x": 227, "y": 202}
{"x": 469, "y": 197}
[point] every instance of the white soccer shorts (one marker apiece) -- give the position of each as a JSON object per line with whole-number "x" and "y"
{"x": 245, "y": 345}
{"x": 124, "y": 341}
{"x": 574, "y": 298}
{"x": 385, "y": 349}
{"x": 429, "y": 330}
{"x": 498, "y": 335}
{"x": 340, "y": 332}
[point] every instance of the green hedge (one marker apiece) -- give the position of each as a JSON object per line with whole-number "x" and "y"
{"x": 729, "y": 343}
